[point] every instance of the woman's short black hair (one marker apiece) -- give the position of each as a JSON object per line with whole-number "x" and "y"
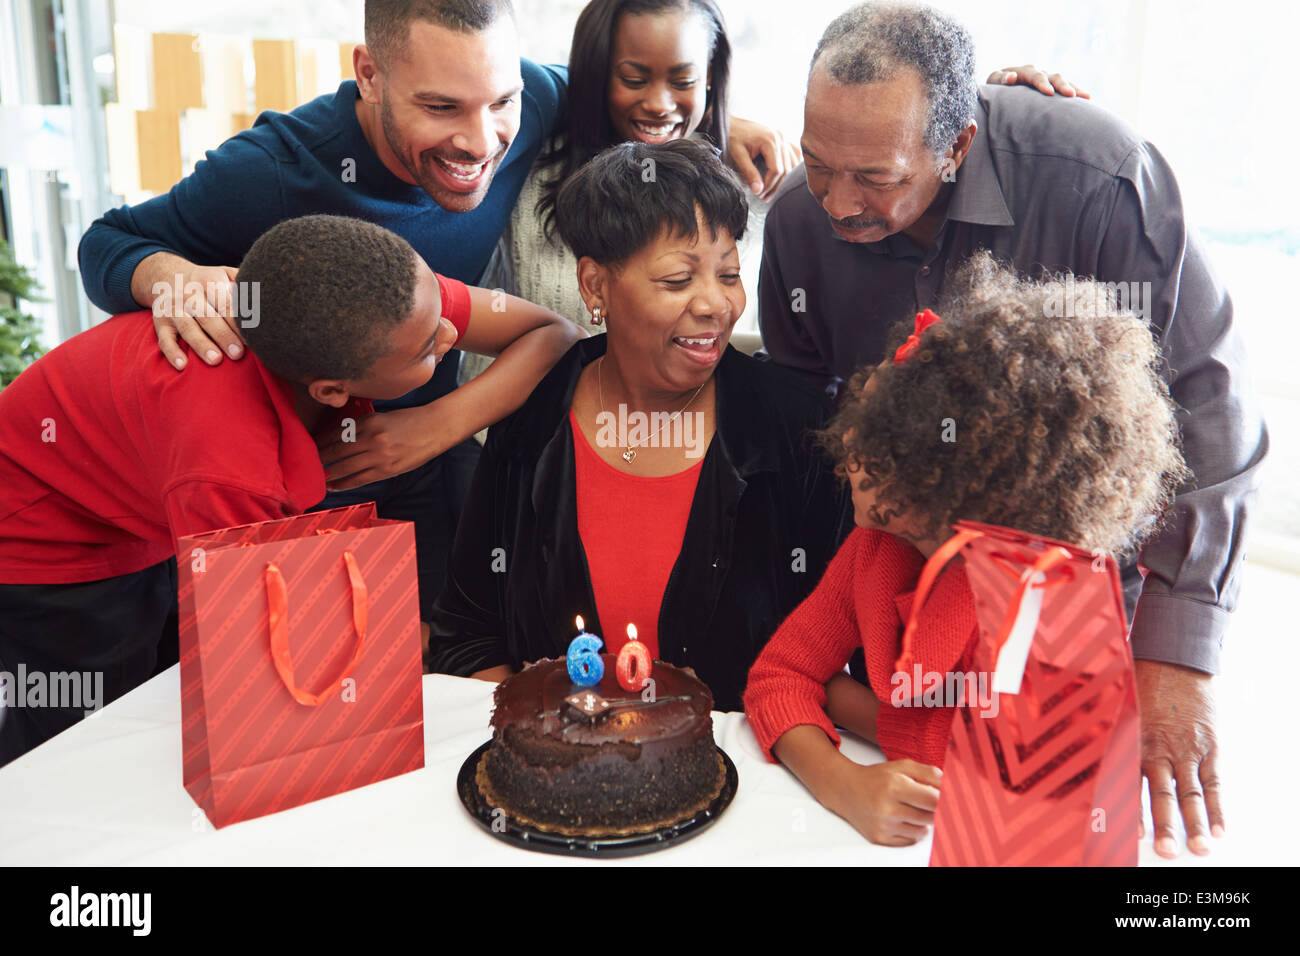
{"x": 587, "y": 128}
{"x": 330, "y": 292}
{"x": 632, "y": 193}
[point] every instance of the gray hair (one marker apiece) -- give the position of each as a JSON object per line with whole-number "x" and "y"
{"x": 872, "y": 41}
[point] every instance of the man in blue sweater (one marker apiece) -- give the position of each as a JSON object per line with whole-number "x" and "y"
{"x": 444, "y": 118}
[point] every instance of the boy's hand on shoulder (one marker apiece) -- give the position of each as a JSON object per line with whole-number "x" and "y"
{"x": 384, "y": 445}
{"x": 892, "y": 803}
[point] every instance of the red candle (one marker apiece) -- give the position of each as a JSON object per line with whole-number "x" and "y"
{"x": 633, "y": 662}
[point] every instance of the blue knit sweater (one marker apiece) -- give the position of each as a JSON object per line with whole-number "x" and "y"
{"x": 293, "y": 164}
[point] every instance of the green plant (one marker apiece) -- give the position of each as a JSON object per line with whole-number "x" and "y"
{"x": 19, "y": 347}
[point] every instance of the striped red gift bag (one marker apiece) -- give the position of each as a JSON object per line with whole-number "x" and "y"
{"x": 1043, "y": 771}
{"x": 300, "y": 660}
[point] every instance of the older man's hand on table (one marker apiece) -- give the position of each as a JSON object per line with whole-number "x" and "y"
{"x": 1179, "y": 754}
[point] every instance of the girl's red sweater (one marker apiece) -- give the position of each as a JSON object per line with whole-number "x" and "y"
{"x": 864, "y": 600}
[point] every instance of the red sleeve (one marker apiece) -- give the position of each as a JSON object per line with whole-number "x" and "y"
{"x": 197, "y": 506}
{"x": 787, "y": 684}
{"x": 455, "y": 302}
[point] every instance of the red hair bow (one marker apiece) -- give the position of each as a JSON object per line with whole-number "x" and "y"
{"x": 913, "y": 344}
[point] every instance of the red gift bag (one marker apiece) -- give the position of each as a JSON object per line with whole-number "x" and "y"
{"x": 1048, "y": 773}
{"x": 300, "y": 660}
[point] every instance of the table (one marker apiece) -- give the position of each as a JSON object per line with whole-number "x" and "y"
{"x": 137, "y": 811}
{"x": 108, "y": 792}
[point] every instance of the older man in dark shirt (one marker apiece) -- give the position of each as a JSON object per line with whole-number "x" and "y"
{"x": 910, "y": 168}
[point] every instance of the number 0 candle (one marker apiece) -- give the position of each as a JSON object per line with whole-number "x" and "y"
{"x": 633, "y": 662}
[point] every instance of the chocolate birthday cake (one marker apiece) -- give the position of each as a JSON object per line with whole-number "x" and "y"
{"x": 600, "y": 761}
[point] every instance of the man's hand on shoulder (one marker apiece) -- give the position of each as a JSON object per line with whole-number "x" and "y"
{"x": 192, "y": 303}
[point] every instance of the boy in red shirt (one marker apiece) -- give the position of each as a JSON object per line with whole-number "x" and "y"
{"x": 996, "y": 411}
{"x": 107, "y": 456}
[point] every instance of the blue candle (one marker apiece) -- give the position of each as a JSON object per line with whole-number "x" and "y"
{"x": 586, "y": 667}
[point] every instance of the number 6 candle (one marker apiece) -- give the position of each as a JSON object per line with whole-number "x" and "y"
{"x": 586, "y": 667}
{"x": 633, "y": 662}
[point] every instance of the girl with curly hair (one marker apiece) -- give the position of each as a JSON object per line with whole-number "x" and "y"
{"x": 998, "y": 411}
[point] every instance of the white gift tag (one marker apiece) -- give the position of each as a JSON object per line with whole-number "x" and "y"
{"x": 1010, "y": 668}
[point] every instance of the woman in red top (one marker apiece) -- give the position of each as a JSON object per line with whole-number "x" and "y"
{"x": 657, "y": 477}
{"x": 998, "y": 412}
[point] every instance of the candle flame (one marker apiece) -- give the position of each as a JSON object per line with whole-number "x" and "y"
{"x": 631, "y": 632}
{"x": 578, "y": 620}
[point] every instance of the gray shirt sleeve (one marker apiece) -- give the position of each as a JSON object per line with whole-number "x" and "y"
{"x": 1193, "y": 563}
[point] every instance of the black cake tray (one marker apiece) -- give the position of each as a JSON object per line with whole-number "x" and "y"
{"x": 542, "y": 841}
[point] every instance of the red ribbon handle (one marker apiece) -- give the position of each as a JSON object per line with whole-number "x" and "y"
{"x": 1046, "y": 561}
{"x": 945, "y": 552}
{"x": 929, "y": 574}
{"x": 278, "y": 602}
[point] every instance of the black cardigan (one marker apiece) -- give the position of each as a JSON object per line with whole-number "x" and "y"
{"x": 767, "y": 517}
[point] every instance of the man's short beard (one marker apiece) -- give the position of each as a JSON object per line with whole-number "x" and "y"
{"x": 413, "y": 167}
{"x": 395, "y": 141}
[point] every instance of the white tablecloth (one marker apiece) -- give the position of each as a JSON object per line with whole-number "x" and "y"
{"x": 108, "y": 792}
